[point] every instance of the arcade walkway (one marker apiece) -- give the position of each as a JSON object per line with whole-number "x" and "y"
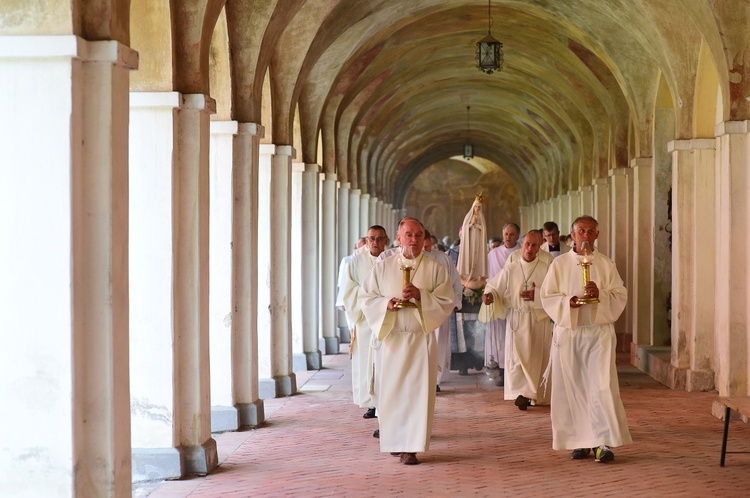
{"x": 316, "y": 443}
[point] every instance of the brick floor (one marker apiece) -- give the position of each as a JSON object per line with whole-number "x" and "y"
{"x": 316, "y": 443}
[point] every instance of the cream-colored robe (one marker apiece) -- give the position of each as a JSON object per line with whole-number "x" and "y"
{"x": 494, "y": 335}
{"x": 586, "y": 408}
{"x": 356, "y": 271}
{"x": 405, "y": 382}
{"x": 528, "y": 332}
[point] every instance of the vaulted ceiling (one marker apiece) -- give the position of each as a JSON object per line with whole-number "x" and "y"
{"x": 376, "y": 91}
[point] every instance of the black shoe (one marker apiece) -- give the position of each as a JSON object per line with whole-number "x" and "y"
{"x": 580, "y": 453}
{"x": 370, "y": 413}
{"x": 437, "y": 389}
{"x": 409, "y": 458}
{"x": 603, "y": 454}
{"x": 522, "y": 402}
{"x": 376, "y": 434}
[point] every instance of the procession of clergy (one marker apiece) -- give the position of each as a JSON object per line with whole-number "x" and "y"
{"x": 554, "y": 335}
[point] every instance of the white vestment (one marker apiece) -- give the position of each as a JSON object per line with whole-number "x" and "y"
{"x": 586, "y": 409}
{"x": 356, "y": 272}
{"x": 494, "y": 335}
{"x": 528, "y": 332}
{"x": 405, "y": 382}
{"x": 444, "y": 330}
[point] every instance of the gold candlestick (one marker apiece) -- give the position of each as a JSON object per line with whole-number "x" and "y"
{"x": 407, "y": 264}
{"x": 585, "y": 259}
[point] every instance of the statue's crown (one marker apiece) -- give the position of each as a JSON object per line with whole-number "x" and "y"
{"x": 479, "y": 198}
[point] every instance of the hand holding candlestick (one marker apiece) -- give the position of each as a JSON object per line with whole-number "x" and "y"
{"x": 407, "y": 262}
{"x": 585, "y": 259}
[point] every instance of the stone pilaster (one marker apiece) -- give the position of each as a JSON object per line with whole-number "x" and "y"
{"x": 344, "y": 249}
{"x": 643, "y": 252}
{"x": 364, "y": 213}
{"x": 280, "y": 272}
{"x": 244, "y": 299}
{"x": 309, "y": 282}
{"x": 328, "y": 265}
{"x": 372, "y": 213}
{"x": 586, "y": 202}
{"x": 525, "y": 214}
{"x": 620, "y": 195}
{"x": 601, "y": 213}
{"x": 733, "y": 206}
{"x": 190, "y": 204}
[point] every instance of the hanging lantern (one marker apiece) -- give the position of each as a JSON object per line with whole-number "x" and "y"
{"x": 490, "y": 56}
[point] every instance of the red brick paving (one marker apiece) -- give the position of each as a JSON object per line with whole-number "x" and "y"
{"x": 316, "y": 443}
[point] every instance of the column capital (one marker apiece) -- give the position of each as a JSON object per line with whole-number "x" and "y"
{"x": 641, "y": 162}
{"x": 330, "y": 177}
{"x": 365, "y": 196}
{"x": 285, "y": 150}
{"x": 730, "y": 127}
{"x": 68, "y": 46}
{"x": 692, "y": 144}
{"x": 198, "y": 102}
{"x": 355, "y": 191}
{"x": 619, "y": 172}
{"x": 600, "y": 181}
{"x": 251, "y": 129}
{"x": 312, "y": 168}
{"x": 344, "y": 185}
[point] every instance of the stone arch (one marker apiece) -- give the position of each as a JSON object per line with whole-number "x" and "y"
{"x": 709, "y": 107}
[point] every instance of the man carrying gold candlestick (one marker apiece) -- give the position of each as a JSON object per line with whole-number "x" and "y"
{"x": 405, "y": 382}
{"x": 586, "y": 410}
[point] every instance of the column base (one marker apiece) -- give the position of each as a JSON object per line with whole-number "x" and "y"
{"x": 700, "y": 380}
{"x": 345, "y": 337}
{"x": 199, "y": 460}
{"x": 331, "y": 345}
{"x": 224, "y": 418}
{"x": 251, "y": 414}
{"x": 299, "y": 362}
{"x": 657, "y": 363}
{"x": 286, "y": 385}
{"x": 314, "y": 360}
{"x": 155, "y": 464}
{"x": 266, "y": 388}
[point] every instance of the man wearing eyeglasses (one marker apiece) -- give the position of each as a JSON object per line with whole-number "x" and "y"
{"x": 356, "y": 271}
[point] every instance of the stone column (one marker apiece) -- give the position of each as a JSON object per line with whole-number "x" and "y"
{"x": 574, "y": 210}
{"x": 643, "y": 253}
{"x": 280, "y": 277}
{"x": 601, "y": 213}
{"x": 364, "y": 213}
{"x": 190, "y": 181}
{"x": 732, "y": 269}
{"x": 372, "y": 214}
{"x": 151, "y": 269}
{"x": 344, "y": 249}
{"x": 562, "y": 218}
{"x": 621, "y": 194}
{"x": 354, "y": 217}
{"x": 64, "y": 266}
{"x": 525, "y": 213}
{"x": 244, "y": 334}
{"x": 693, "y": 273}
{"x": 299, "y": 359}
{"x": 586, "y": 202}
{"x": 328, "y": 265}
{"x": 380, "y": 218}
{"x": 223, "y": 413}
{"x": 309, "y": 281}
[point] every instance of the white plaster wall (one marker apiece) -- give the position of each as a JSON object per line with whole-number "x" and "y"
{"x": 264, "y": 260}
{"x": 151, "y": 365}
{"x": 35, "y": 288}
{"x": 297, "y": 249}
{"x": 220, "y": 262}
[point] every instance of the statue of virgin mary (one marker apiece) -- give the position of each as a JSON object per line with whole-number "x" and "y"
{"x": 472, "y": 258}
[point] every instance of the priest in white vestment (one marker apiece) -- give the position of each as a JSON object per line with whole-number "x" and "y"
{"x": 362, "y": 359}
{"x": 552, "y": 243}
{"x": 512, "y": 294}
{"x": 494, "y": 336}
{"x": 587, "y": 413}
{"x": 405, "y": 382}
